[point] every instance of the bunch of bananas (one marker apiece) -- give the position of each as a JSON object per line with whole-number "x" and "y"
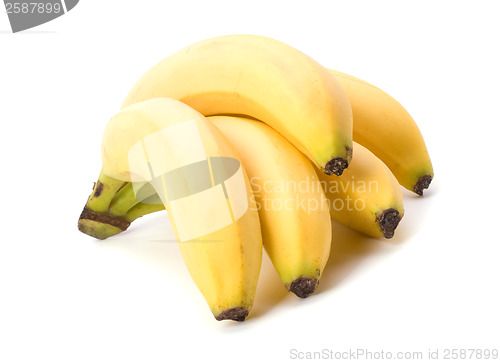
{"x": 247, "y": 142}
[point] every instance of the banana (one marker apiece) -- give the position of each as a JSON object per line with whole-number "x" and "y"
{"x": 265, "y": 79}
{"x": 382, "y": 125}
{"x": 196, "y": 173}
{"x": 293, "y": 210}
{"x": 367, "y": 197}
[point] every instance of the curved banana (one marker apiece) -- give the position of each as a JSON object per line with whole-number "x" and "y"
{"x": 382, "y": 125}
{"x": 197, "y": 175}
{"x": 265, "y": 79}
{"x": 293, "y": 210}
{"x": 367, "y": 197}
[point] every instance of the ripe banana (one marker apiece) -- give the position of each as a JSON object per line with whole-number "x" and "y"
{"x": 195, "y": 172}
{"x": 382, "y": 125}
{"x": 367, "y": 197}
{"x": 293, "y": 210}
{"x": 265, "y": 79}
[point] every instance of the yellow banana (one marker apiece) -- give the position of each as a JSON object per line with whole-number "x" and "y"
{"x": 265, "y": 79}
{"x": 382, "y": 125}
{"x": 367, "y": 197}
{"x": 293, "y": 210}
{"x": 205, "y": 190}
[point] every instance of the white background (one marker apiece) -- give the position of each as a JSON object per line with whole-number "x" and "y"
{"x": 65, "y": 297}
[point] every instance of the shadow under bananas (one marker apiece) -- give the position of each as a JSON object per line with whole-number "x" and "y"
{"x": 142, "y": 242}
{"x": 149, "y": 240}
{"x": 270, "y": 290}
{"x": 417, "y": 209}
{"x": 350, "y": 249}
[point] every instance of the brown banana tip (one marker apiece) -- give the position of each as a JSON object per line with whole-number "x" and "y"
{"x": 336, "y": 166}
{"x": 388, "y": 221}
{"x": 303, "y": 286}
{"x": 236, "y": 314}
{"x": 423, "y": 183}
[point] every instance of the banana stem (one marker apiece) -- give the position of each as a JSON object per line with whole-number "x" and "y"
{"x": 123, "y": 201}
{"x": 95, "y": 219}
{"x": 141, "y": 209}
{"x": 112, "y": 206}
{"x": 103, "y": 193}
